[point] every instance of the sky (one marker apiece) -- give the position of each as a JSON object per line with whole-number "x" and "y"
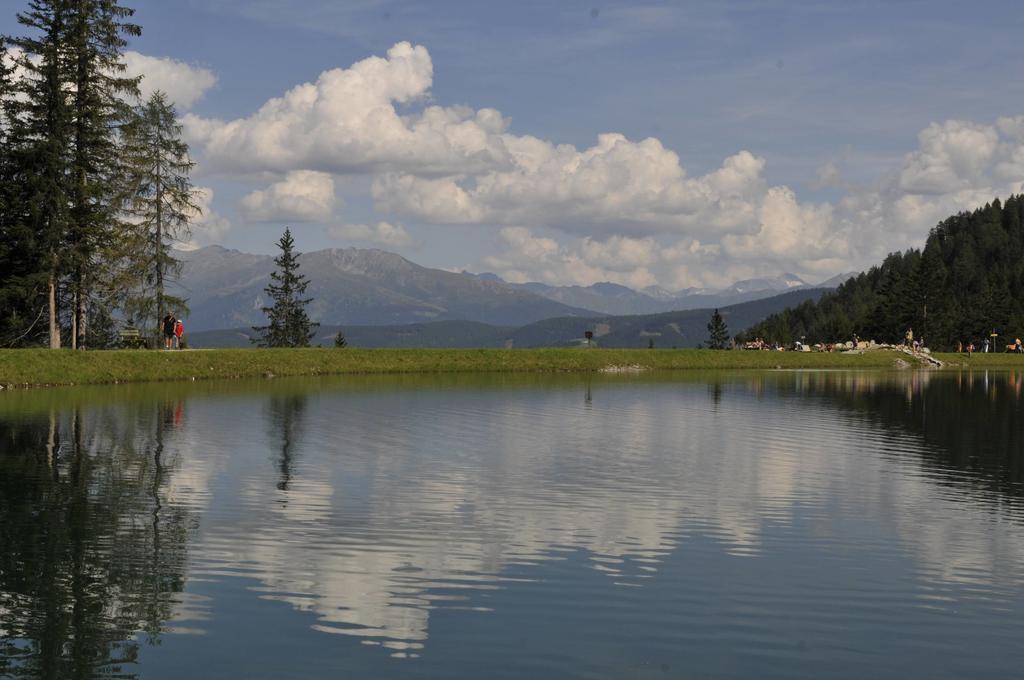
{"x": 676, "y": 144}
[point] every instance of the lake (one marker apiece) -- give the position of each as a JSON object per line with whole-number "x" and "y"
{"x": 776, "y": 524}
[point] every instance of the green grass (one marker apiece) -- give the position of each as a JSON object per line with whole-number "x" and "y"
{"x": 65, "y": 367}
{"x": 995, "y": 360}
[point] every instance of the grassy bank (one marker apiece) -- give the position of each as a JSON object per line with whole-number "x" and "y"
{"x": 995, "y": 360}
{"x": 65, "y": 367}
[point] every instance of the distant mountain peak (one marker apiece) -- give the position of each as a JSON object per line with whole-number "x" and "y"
{"x": 659, "y": 293}
{"x": 838, "y": 280}
{"x": 486, "y": 276}
{"x": 786, "y": 281}
{"x": 607, "y": 287}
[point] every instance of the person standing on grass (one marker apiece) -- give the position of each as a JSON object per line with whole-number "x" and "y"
{"x": 168, "y": 329}
{"x": 179, "y": 330}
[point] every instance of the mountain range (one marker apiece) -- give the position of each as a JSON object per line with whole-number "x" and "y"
{"x": 686, "y": 328}
{"x": 612, "y": 298}
{"x": 370, "y": 287}
{"x": 224, "y": 289}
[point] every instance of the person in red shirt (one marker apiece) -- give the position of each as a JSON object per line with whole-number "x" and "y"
{"x": 179, "y": 330}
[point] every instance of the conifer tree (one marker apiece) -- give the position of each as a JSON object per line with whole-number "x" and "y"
{"x": 40, "y": 132}
{"x": 22, "y": 308}
{"x": 97, "y": 30}
{"x": 288, "y": 324}
{"x": 160, "y": 204}
{"x": 718, "y": 332}
{"x": 339, "y": 340}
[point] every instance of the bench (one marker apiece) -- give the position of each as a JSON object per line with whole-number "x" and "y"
{"x": 131, "y": 338}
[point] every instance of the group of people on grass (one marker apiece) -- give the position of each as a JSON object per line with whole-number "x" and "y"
{"x": 173, "y": 329}
{"x": 915, "y": 344}
{"x": 985, "y": 346}
{"x": 1016, "y": 347}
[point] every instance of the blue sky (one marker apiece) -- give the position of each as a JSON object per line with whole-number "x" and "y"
{"x": 851, "y": 128}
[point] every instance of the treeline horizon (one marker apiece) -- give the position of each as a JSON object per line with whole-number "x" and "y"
{"x": 965, "y": 285}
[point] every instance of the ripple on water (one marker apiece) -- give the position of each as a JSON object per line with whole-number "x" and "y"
{"x": 784, "y": 525}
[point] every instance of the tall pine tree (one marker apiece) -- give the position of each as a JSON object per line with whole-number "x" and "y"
{"x": 22, "y": 308}
{"x": 97, "y": 30}
{"x": 161, "y": 202}
{"x": 40, "y": 133}
{"x": 288, "y": 324}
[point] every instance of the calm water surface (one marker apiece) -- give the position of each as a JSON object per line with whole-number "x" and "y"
{"x": 788, "y": 524}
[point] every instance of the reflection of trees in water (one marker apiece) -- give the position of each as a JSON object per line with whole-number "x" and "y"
{"x": 286, "y": 425}
{"x": 971, "y": 422}
{"x": 715, "y": 387}
{"x": 92, "y": 552}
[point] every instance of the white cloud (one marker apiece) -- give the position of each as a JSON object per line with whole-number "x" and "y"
{"x": 182, "y": 83}
{"x": 951, "y": 156}
{"x": 614, "y": 187}
{"x": 208, "y": 227}
{"x": 347, "y": 122}
{"x": 302, "y": 196}
{"x": 621, "y": 210}
{"x": 620, "y": 252}
{"x": 381, "y": 233}
{"x": 785, "y": 229}
{"x": 527, "y": 257}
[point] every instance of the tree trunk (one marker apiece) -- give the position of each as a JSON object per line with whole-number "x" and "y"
{"x": 74, "y": 317}
{"x": 160, "y": 311}
{"x": 54, "y": 327}
{"x": 159, "y": 240}
{"x": 81, "y": 314}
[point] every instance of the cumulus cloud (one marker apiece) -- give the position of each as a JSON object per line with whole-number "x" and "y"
{"x": 951, "y": 156}
{"x": 381, "y": 233}
{"x": 620, "y": 209}
{"x": 183, "y": 83}
{"x": 615, "y": 186}
{"x": 527, "y": 257}
{"x": 302, "y": 196}
{"x": 208, "y": 227}
{"x": 785, "y": 228}
{"x": 347, "y": 122}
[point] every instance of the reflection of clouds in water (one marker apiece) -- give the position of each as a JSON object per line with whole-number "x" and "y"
{"x": 399, "y": 503}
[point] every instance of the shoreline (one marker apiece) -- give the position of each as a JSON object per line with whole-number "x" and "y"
{"x": 33, "y": 368}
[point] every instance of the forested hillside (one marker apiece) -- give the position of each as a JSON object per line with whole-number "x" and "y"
{"x": 682, "y": 329}
{"x": 967, "y": 283}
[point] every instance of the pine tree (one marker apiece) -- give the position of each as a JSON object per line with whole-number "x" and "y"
{"x": 339, "y": 340}
{"x": 22, "y": 307}
{"x": 718, "y": 332}
{"x": 40, "y": 123}
{"x": 288, "y": 324}
{"x": 160, "y": 204}
{"x": 96, "y": 38}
